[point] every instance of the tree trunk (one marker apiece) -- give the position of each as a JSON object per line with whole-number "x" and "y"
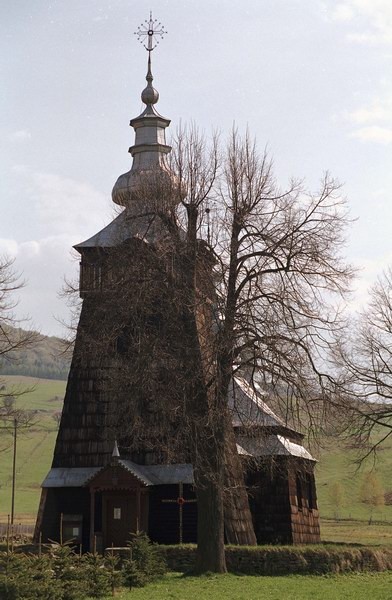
{"x": 210, "y": 528}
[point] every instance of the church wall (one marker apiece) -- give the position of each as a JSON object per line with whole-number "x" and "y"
{"x": 66, "y": 501}
{"x": 117, "y": 378}
{"x": 283, "y": 501}
{"x": 163, "y": 526}
{"x": 268, "y": 498}
{"x": 303, "y": 501}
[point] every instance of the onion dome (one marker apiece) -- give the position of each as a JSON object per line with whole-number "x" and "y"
{"x": 135, "y": 189}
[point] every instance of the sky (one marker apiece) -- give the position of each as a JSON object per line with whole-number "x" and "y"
{"x": 311, "y": 79}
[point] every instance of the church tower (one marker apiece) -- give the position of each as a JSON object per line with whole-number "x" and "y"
{"x": 121, "y": 461}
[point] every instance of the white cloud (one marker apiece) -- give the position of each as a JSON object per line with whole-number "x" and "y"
{"x": 61, "y": 205}
{"x": 21, "y": 135}
{"x": 378, "y": 110}
{"x": 42, "y": 265}
{"x": 342, "y": 12}
{"x": 66, "y": 211}
{"x": 380, "y": 135}
{"x": 66, "y": 205}
{"x": 8, "y": 247}
{"x": 371, "y": 19}
{"x": 373, "y": 121}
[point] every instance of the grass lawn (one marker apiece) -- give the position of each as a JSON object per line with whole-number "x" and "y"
{"x": 34, "y": 448}
{"x": 356, "y": 532}
{"x": 337, "y": 465}
{"x": 361, "y": 586}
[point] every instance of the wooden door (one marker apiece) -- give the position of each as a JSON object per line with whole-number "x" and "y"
{"x": 120, "y": 512}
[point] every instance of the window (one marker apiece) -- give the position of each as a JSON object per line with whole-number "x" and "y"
{"x": 298, "y": 481}
{"x": 90, "y": 277}
{"x": 310, "y": 491}
{"x": 117, "y": 514}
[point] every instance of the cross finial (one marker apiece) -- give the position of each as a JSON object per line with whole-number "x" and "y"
{"x": 116, "y": 452}
{"x": 149, "y": 32}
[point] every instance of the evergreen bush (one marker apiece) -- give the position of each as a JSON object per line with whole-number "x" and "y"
{"x": 24, "y": 577}
{"x": 101, "y": 575}
{"x": 145, "y": 564}
{"x": 68, "y": 573}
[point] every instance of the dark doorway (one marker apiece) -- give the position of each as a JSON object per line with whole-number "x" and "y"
{"x": 119, "y": 518}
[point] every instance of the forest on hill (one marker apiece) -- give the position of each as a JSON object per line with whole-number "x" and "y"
{"x": 47, "y": 359}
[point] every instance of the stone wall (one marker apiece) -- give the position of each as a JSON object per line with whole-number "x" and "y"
{"x": 284, "y": 560}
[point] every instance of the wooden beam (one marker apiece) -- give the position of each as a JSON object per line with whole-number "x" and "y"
{"x": 92, "y": 518}
{"x": 138, "y": 511}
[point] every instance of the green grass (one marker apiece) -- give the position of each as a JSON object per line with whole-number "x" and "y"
{"x": 359, "y": 586}
{"x": 40, "y": 392}
{"x": 337, "y": 465}
{"x": 34, "y": 447}
{"x": 356, "y": 532}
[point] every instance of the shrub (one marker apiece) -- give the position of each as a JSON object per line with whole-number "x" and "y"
{"x": 27, "y": 578}
{"x": 96, "y": 576}
{"x": 145, "y": 564}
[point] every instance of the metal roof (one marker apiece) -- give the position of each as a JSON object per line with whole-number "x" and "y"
{"x": 160, "y": 474}
{"x": 247, "y": 406}
{"x": 147, "y": 474}
{"x": 120, "y": 229}
{"x": 146, "y": 227}
{"x": 69, "y": 477}
{"x": 271, "y": 445}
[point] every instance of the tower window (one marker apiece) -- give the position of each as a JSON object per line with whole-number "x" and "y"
{"x": 90, "y": 277}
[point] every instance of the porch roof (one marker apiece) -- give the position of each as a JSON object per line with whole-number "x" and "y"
{"x": 149, "y": 475}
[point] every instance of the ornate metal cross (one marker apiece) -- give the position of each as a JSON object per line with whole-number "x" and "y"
{"x": 180, "y": 501}
{"x": 149, "y": 32}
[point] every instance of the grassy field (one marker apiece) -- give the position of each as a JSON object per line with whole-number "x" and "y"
{"x": 356, "y": 532}
{"x": 337, "y": 465}
{"x": 35, "y": 449}
{"x": 231, "y": 587}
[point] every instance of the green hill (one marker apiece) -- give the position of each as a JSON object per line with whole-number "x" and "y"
{"x": 47, "y": 359}
{"x": 336, "y": 464}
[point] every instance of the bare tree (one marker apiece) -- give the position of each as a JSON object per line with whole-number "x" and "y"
{"x": 365, "y": 360}
{"x": 277, "y": 268}
{"x": 372, "y": 493}
{"x": 226, "y": 274}
{"x": 337, "y": 498}
{"x": 12, "y": 339}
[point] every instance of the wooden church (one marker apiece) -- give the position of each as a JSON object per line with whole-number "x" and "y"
{"x": 121, "y": 461}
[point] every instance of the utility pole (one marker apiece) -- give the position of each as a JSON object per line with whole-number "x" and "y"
{"x": 13, "y": 475}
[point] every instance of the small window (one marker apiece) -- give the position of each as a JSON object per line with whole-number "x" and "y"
{"x": 310, "y": 491}
{"x": 117, "y": 513}
{"x": 123, "y": 342}
{"x": 90, "y": 277}
{"x": 72, "y": 528}
{"x": 298, "y": 482}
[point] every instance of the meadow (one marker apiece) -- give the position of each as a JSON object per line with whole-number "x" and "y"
{"x": 336, "y": 464}
{"x": 34, "y": 446}
{"x": 359, "y": 586}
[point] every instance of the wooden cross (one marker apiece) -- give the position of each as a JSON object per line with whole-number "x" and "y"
{"x": 180, "y": 501}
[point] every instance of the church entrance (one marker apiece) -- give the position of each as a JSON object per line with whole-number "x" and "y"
{"x": 119, "y": 512}
{"x": 118, "y": 506}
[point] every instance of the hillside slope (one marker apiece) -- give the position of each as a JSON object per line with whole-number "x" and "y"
{"x": 46, "y": 360}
